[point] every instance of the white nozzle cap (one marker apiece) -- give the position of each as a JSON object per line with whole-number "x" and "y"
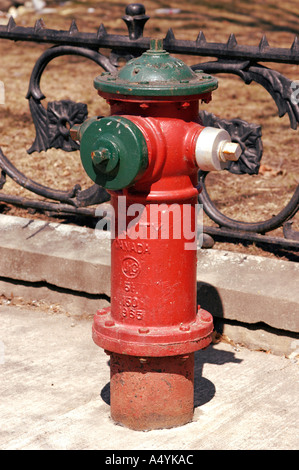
{"x": 214, "y": 149}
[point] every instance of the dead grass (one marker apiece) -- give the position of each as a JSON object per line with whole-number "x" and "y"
{"x": 248, "y": 198}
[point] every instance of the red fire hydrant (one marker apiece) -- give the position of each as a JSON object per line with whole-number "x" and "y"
{"x": 147, "y": 155}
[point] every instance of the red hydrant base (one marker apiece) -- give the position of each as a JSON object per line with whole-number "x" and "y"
{"x": 123, "y": 338}
{"x": 152, "y": 393}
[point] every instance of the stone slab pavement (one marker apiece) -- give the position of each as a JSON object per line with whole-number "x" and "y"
{"x": 55, "y": 393}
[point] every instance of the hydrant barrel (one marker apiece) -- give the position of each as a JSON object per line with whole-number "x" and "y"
{"x": 147, "y": 155}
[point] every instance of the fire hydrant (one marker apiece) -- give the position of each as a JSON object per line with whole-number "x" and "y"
{"x": 147, "y": 154}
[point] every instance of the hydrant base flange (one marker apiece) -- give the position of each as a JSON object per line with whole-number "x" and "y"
{"x": 151, "y": 341}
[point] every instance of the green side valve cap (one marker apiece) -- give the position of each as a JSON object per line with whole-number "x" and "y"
{"x": 113, "y": 151}
{"x": 155, "y": 73}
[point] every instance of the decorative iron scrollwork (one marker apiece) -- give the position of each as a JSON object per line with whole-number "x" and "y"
{"x": 51, "y": 132}
{"x": 279, "y": 87}
{"x": 52, "y": 123}
{"x": 274, "y": 82}
{"x": 62, "y": 115}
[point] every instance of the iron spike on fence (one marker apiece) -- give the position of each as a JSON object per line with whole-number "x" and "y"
{"x": 263, "y": 43}
{"x": 169, "y": 36}
{"x": 73, "y": 28}
{"x": 39, "y": 25}
{"x": 295, "y": 45}
{"x": 10, "y": 25}
{"x": 201, "y": 38}
{"x": 232, "y": 42}
{"x": 101, "y": 31}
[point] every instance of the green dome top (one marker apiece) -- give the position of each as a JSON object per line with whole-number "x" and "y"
{"x": 155, "y": 73}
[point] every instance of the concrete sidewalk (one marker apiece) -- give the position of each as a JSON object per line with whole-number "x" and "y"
{"x": 55, "y": 393}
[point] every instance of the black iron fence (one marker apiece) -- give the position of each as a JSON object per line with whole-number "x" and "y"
{"x": 52, "y": 124}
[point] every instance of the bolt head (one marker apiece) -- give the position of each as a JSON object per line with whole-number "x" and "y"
{"x": 100, "y": 156}
{"x": 230, "y": 151}
{"x": 142, "y": 360}
{"x": 184, "y": 327}
{"x": 143, "y": 330}
{"x": 103, "y": 311}
{"x": 106, "y": 158}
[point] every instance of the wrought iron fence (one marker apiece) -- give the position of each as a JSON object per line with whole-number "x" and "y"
{"x": 52, "y": 124}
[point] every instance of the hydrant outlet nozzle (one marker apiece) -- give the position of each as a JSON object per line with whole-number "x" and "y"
{"x": 113, "y": 151}
{"x": 214, "y": 149}
{"x": 75, "y": 132}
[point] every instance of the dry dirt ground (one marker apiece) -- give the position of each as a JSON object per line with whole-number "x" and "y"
{"x": 248, "y": 198}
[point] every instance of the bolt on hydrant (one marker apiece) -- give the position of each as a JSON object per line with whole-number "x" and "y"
{"x": 148, "y": 153}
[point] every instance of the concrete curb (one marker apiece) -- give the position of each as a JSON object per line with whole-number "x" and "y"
{"x": 70, "y": 266}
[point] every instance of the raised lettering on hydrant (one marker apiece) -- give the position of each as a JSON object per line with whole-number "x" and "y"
{"x": 148, "y": 152}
